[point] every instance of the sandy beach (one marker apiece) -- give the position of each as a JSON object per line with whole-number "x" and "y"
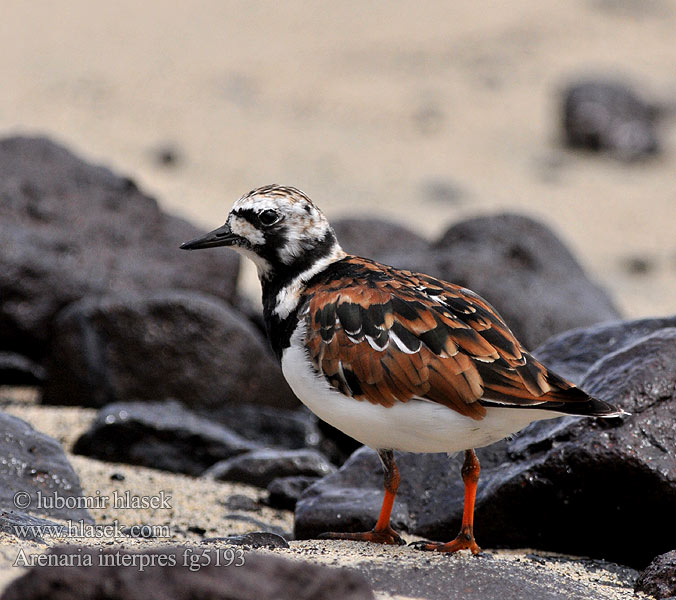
{"x": 422, "y": 115}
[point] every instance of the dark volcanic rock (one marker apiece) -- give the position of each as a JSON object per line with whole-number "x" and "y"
{"x": 285, "y": 491}
{"x": 610, "y": 117}
{"x": 271, "y": 426}
{"x": 572, "y": 353}
{"x": 350, "y": 499}
{"x": 659, "y": 579}
{"x": 241, "y": 502}
{"x": 162, "y": 435}
{"x": 182, "y": 574}
{"x": 522, "y": 269}
{"x": 71, "y": 230}
{"x": 181, "y": 345}
{"x": 19, "y": 370}
{"x": 375, "y": 238}
{"x": 260, "y": 467}
{"x": 592, "y": 475}
{"x": 35, "y": 475}
{"x": 335, "y": 444}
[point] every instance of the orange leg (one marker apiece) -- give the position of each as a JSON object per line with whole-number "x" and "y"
{"x": 382, "y": 533}
{"x": 465, "y": 539}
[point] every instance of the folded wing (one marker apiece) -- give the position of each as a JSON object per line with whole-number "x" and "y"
{"x": 386, "y": 336}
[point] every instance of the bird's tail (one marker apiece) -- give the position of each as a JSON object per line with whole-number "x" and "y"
{"x": 545, "y": 390}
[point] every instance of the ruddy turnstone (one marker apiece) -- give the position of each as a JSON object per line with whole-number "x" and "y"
{"x": 395, "y": 359}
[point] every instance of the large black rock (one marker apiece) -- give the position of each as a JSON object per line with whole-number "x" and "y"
{"x": 161, "y": 435}
{"x": 659, "y": 579}
{"x": 572, "y": 353}
{"x": 522, "y": 268}
{"x": 181, "y": 345}
{"x": 35, "y": 475}
{"x": 350, "y": 499}
{"x": 71, "y": 230}
{"x": 568, "y": 485}
{"x": 19, "y": 370}
{"x": 375, "y": 238}
{"x": 609, "y": 116}
{"x": 260, "y": 467}
{"x": 270, "y": 426}
{"x": 182, "y": 574}
{"x": 283, "y": 492}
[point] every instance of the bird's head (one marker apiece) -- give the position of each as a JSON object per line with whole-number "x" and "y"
{"x": 279, "y": 228}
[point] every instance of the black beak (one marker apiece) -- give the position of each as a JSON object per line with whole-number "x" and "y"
{"x": 222, "y": 236}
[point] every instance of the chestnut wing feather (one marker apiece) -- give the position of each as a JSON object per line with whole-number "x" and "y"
{"x": 386, "y": 336}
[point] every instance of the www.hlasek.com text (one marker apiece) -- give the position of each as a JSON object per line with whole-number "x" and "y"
{"x": 81, "y": 530}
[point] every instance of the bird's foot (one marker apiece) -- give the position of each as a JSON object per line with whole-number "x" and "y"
{"x": 385, "y": 536}
{"x": 462, "y": 542}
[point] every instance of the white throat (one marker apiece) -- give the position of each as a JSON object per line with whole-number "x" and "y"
{"x": 262, "y": 265}
{"x": 288, "y": 297}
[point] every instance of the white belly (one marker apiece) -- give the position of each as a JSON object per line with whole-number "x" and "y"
{"x": 414, "y": 426}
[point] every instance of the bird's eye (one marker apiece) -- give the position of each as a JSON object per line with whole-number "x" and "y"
{"x": 269, "y": 217}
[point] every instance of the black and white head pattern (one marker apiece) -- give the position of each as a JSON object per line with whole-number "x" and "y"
{"x": 280, "y": 228}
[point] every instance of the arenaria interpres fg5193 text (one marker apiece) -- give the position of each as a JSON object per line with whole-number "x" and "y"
{"x": 397, "y": 360}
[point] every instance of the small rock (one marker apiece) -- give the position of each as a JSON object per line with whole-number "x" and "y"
{"x": 72, "y": 230}
{"x": 522, "y": 268}
{"x": 442, "y": 191}
{"x": 24, "y": 526}
{"x": 167, "y": 155}
{"x": 610, "y": 117}
{"x": 167, "y": 344}
{"x": 35, "y": 475}
{"x": 285, "y": 491}
{"x": 161, "y": 435}
{"x": 196, "y": 529}
{"x": 241, "y": 502}
{"x": 260, "y": 467}
{"x": 659, "y": 578}
{"x": 255, "y": 539}
{"x": 19, "y": 370}
{"x": 638, "y": 265}
{"x": 182, "y": 574}
{"x": 375, "y": 238}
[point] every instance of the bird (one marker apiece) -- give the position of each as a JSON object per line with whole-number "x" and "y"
{"x": 395, "y": 359}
